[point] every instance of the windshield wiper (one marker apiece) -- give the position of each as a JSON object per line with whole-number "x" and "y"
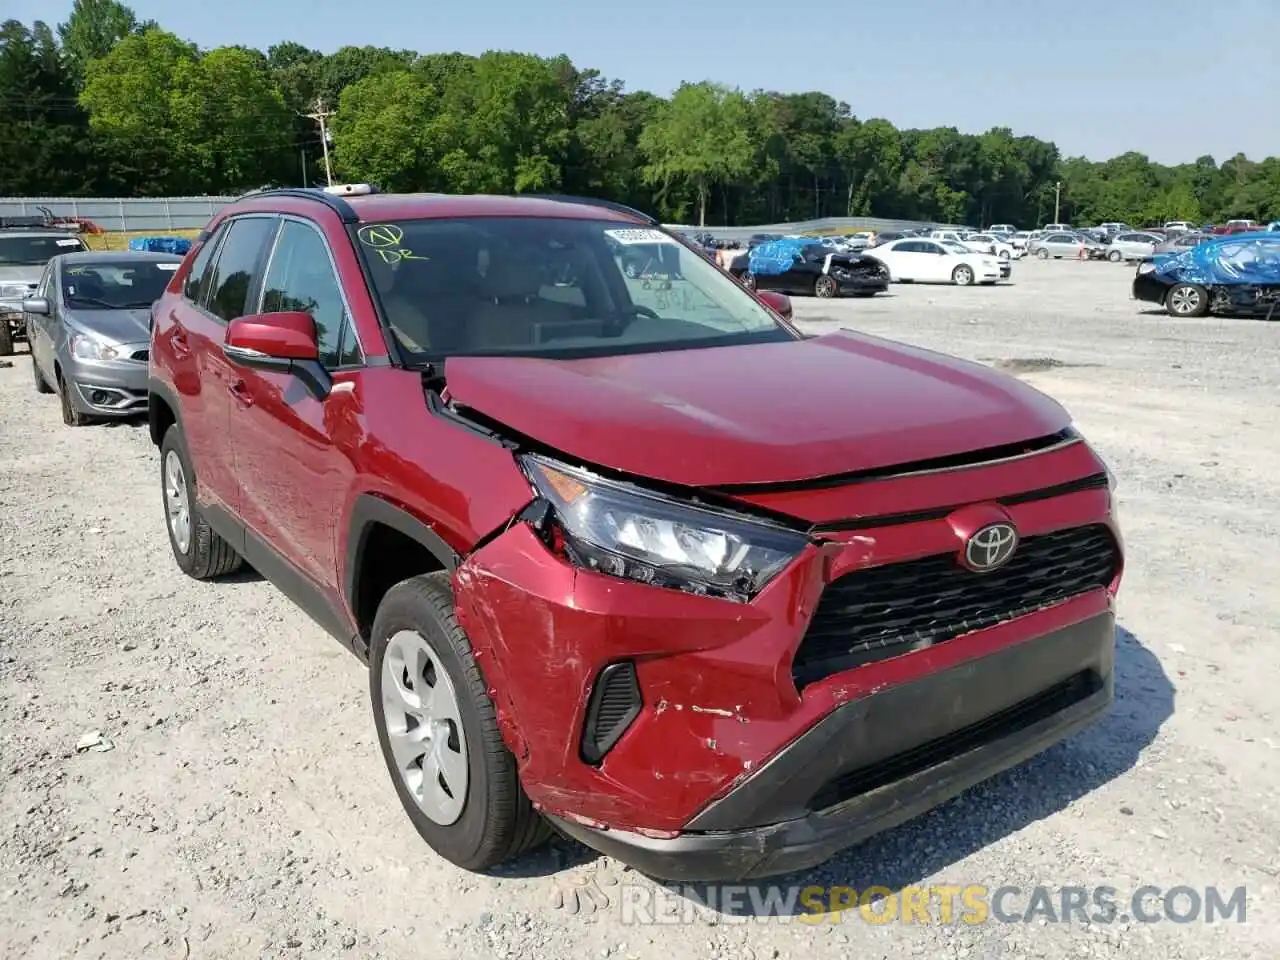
{"x": 92, "y": 301}
{"x": 137, "y": 305}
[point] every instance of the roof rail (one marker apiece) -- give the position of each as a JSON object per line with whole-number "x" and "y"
{"x": 332, "y": 201}
{"x": 594, "y": 202}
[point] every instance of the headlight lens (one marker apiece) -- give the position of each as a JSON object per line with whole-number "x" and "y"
{"x": 14, "y": 291}
{"x": 89, "y": 348}
{"x": 625, "y": 532}
{"x": 1145, "y": 268}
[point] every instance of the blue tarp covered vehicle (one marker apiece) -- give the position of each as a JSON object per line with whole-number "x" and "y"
{"x": 1236, "y": 274}
{"x": 775, "y": 257}
{"x": 178, "y": 245}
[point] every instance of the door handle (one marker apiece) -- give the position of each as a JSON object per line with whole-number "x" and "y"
{"x": 240, "y": 393}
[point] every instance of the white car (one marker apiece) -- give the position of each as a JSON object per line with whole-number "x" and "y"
{"x": 1004, "y": 229}
{"x": 1056, "y": 228}
{"x": 990, "y": 243}
{"x": 1178, "y": 226}
{"x": 1019, "y": 241}
{"x": 924, "y": 260}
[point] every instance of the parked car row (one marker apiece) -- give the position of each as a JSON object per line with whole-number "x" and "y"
{"x": 550, "y": 505}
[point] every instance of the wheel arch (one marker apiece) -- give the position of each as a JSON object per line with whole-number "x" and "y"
{"x": 162, "y": 410}
{"x": 385, "y": 545}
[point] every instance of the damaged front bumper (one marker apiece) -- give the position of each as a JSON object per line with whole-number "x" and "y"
{"x": 678, "y": 731}
{"x": 882, "y": 760}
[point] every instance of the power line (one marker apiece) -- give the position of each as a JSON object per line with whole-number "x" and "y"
{"x": 321, "y": 116}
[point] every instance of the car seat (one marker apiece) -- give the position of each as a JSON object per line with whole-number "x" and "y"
{"x": 512, "y": 310}
{"x": 430, "y": 300}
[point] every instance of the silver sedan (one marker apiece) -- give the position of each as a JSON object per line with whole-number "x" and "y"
{"x": 1131, "y": 246}
{"x": 89, "y": 330}
{"x": 1057, "y": 245}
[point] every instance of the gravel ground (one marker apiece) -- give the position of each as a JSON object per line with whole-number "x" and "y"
{"x": 236, "y": 805}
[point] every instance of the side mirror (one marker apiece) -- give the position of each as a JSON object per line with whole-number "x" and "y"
{"x": 38, "y": 305}
{"x": 279, "y": 343}
{"x": 779, "y": 303}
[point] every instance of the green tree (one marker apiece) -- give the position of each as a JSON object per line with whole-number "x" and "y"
{"x": 386, "y": 132}
{"x": 129, "y": 97}
{"x": 230, "y": 122}
{"x": 700, "y": 138}
{"x": 45, "y": 143}
{"x": 93, "y": 29}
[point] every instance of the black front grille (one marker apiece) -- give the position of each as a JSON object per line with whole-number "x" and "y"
{"x": 141, "y": 356}
{"x": 615, "y": 703}
{"x": 882, "y": 612}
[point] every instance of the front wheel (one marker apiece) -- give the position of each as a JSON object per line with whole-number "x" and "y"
{"x": 201, "y": 554}
{"x": 1005, "y": 255}
{"x": 1115, "y": 256}
{"x": 749, "y": 280}
{"x": 962, "y": 276}
{"x": 825, "y": 287}
{"x": 438, "y": 731}
{"x": 1187, "y": 300}
{"x": 1042, "y": 253}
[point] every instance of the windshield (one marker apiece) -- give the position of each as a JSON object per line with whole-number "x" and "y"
{"x": 554, "y": 288}
{"x": 35, "y": 251}
{"x": 116, "y": 284}
{"x": 954, "y": 247}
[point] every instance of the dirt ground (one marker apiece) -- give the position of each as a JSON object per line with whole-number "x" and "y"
{"x": 236, "y": 805}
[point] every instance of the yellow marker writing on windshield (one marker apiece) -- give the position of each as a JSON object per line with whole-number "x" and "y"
{"x": 387, "y": 240}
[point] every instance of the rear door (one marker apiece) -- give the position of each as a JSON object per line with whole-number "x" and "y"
{"x": 226, "y": 269}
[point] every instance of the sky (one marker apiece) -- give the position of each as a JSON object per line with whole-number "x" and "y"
{"x": 1174, "y": 79}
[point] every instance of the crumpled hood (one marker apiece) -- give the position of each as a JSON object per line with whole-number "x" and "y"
{"x": 767, "y": 413}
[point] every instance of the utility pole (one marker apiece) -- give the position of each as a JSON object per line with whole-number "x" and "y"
{"x": 321, "y": 116}
{"x": 1057, "y": 201}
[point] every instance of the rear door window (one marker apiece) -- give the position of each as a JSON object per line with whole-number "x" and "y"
{"x": 196, "y": 286}
{"x": 238, "y": 265}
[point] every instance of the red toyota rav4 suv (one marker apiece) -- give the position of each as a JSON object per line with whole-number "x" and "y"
{"x": 628, "y": 556}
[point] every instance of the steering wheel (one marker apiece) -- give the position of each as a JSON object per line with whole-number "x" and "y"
{"x": 644, "y": 311}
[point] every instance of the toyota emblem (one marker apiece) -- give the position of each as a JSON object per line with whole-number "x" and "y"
{"x": 990, "y": 547}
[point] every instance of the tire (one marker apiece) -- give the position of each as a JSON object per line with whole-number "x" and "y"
{"x": 6, "y": 338}
{"x": 1115, "y": 256}
{"x": 1187, "y": 300}
{"x": 749, "y": 280}
{"x": 825, "y": 287}
{"x": 201, "y": 554}
{"x": 493, "y": 820}
{"x": 1042, "y": 253}
{"x": 631, "y": 270}
{"x": 962, "y": 276}
{"x": 41, "y": 384}
{"x": 1005, "y": 255}
{"x": 70, "y": 415}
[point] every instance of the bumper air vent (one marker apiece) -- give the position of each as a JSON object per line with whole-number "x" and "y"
{"x": 615, "y": 703}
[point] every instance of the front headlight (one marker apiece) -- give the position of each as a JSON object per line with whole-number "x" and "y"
{"x": 623, "y": 531}
{"x": 90, "y": 348}
{"x": 1145, "y": 268}
{"x": 11, "y": 290}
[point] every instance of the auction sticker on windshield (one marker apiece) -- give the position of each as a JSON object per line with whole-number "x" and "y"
{"x": 627, "y": 237}
{"x": 67, "y": 243}
{"x": 168, "y": 266}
